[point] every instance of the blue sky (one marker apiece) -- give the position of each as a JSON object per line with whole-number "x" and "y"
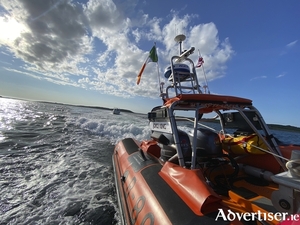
{"x": 90, "y": 52}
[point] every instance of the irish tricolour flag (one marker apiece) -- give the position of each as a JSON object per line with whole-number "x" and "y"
{"x": 152, "y": 57}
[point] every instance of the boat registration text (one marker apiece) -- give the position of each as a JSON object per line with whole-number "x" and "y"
{"x": 161, "y": 126}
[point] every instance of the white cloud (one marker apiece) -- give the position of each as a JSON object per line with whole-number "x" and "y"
{"x": 281, "y": 75}
{"x": 257, "y": 78}
{"x": 291, "y": 44}
{"x": 98, "y": 45}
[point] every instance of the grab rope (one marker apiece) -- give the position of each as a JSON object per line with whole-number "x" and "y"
{"x": 266, "y": 151}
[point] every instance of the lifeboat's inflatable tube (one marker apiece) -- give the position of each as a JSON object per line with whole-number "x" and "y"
{"x": 151, "y": 193}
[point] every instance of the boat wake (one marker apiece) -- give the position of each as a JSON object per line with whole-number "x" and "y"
{"x": 55, "y": 162}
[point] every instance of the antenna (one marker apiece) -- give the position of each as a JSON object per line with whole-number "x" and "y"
{"x": 179, "y": 39}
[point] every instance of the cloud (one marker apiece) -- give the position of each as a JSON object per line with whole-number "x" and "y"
{"x": 101, "y": 44}
{"x": 288, "y": 47}
{"x": 281, "y": 75}
{"x": 291, "y": 44}
{"x": 257, "y": 78}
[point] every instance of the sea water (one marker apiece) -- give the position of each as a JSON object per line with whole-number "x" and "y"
{"x": 55, "y": 161}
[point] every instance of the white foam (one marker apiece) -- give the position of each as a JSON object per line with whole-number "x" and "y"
{"x": 115, "y": 128}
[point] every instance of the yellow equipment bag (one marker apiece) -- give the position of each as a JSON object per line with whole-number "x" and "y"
{"x": 243, "y": 145}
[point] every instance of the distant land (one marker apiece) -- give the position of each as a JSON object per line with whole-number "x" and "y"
{"x": 59, "y": 103}
{"x": 283, "y": 127}
{"x": 271, "y": 126}
{"x": 99, "y": 107}
{"x": 87, "y": 106}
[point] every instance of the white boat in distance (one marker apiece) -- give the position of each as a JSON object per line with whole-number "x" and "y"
{"x": 116, "y": 111}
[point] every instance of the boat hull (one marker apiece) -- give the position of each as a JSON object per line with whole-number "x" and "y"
{"x": 145, "y": 197}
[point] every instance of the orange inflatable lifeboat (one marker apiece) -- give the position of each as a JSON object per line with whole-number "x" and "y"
{"x": 190, "y": 173}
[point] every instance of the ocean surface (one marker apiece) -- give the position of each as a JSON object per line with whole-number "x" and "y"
{"x": 55, "y": 161}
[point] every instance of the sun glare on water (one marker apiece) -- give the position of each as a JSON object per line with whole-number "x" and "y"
{"x": 10, "y": 29}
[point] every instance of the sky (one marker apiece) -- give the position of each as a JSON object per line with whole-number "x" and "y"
{"x": 90, "y": 52}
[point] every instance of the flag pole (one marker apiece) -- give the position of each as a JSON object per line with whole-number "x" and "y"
{"x": 206, "y": 84}
{"x": 157, "y": 66}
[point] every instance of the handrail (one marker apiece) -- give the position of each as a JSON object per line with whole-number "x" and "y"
{"x": 275, "y": 151}
{"x": 188, "y": 77}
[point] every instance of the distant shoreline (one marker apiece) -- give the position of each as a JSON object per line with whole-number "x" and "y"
{"x": 99, "y": 107}
{"x": 59, "y": 103}
{"x": 284, "y": 127}
{"x": 271, "y": 126}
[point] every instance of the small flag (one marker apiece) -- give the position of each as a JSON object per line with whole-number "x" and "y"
{"x": 152, "y": 57}
{"x": 200, "y": 62}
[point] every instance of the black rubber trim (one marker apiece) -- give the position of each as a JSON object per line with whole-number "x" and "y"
{"x": 130, "y": 145}
{"x": 140, "y": 160}
{"x": 175, "y": 208}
